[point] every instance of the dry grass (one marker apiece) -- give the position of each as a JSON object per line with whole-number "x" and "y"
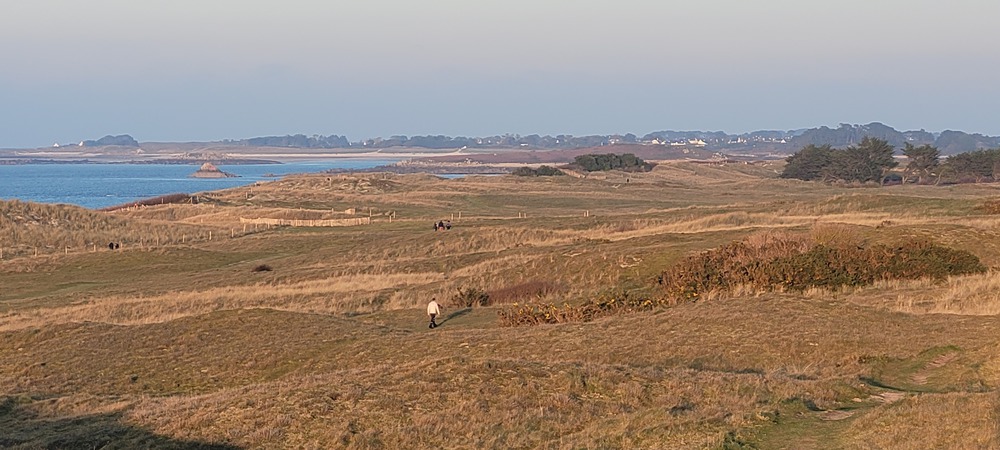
{"x": 977, "y": 294}
{"x": 331, "y": 296}
{"x": 187, "y": 344}
{"x": 958, "y": 420}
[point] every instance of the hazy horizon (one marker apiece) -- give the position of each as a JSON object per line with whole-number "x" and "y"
{"x": 198, "y": 71}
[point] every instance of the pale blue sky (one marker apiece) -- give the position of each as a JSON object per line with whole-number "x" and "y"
{"x": 215, "y": 69}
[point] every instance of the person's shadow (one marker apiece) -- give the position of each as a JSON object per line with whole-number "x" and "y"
{"x": 454, "y": 315}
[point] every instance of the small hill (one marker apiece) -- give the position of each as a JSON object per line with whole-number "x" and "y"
{"x": 123, "y": 140}
{"x": 31, "y": 228}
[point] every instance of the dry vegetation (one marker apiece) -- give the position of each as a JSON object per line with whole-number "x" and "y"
{"x": 181, "y": 339}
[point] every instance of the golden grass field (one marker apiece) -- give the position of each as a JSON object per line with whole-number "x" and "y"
{"x": 176, "y": 341}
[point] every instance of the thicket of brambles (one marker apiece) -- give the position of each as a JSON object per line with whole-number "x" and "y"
{"x": 532, "y": 313}
{"x": 626, "y": 161}
{"x": 470, "y": 297}
{"x": 872, "y": 162}
{"x": 790, "y": 263}
{"x": 763, "y": 263}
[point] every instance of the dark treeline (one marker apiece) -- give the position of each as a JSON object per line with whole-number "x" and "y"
{"x": 872, "y": 161}
{"x": 766, "y": 141}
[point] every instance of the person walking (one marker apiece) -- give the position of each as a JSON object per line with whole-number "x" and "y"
{"x": 433, "y": 309}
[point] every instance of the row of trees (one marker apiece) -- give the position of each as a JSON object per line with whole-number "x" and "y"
{"x": 873, "y": 161}
{"x": 869, "y": 161}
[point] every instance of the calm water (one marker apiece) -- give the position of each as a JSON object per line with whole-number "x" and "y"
{"x": 101, "y": 185}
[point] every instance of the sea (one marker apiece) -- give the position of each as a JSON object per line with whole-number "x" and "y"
{"x": 101, "y": 185}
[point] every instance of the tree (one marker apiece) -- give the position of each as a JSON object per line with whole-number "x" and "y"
{"x": 923, "y": 161}
{"x": 869, "y": 161}
{"x": 978, "y": 165}
{"x": 809, "y": 163}
{"x": 877, "y": 159}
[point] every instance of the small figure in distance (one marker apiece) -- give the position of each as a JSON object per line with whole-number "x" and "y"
{"x": 435, "y": 226}
{"x": 433, "y": 309}
{"x": 118, "y": 245}
{"x": 441, "y": 225}
{"x": 111, "y": 245}
{"x": 447, "y": 224}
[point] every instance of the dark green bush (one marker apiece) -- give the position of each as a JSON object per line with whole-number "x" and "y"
{"x": 627, "y": 162}
{"x": 541, "y": 171}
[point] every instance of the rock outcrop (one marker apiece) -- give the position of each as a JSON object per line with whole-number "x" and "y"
{"x": 208, "y": 170}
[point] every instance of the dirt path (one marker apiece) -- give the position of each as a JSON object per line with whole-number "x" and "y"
{"x": 921, "y": 376}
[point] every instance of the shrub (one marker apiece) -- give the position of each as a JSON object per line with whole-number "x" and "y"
{"x": 795, "y": 264}
{"x": 621, "y": 302}
{"x": 548, "y": 171}
{"x": 991, "y": 206}
{"x": 261, "y": 268}
{"x": 470, "y": 297}
{"x": 541, "y": 171}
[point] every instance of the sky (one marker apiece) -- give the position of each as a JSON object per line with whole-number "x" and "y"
{"x": 199, "y": 70}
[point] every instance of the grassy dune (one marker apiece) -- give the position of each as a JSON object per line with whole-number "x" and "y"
{"x": 181, "y": 343}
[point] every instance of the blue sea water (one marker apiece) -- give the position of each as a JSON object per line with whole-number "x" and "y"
{"x": 101, "y": 185}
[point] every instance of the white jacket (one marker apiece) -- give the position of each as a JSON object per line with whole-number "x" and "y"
{"x": 433, "y": 308}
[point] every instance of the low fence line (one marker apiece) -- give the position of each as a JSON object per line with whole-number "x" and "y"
{"x": 354, "y": 221}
